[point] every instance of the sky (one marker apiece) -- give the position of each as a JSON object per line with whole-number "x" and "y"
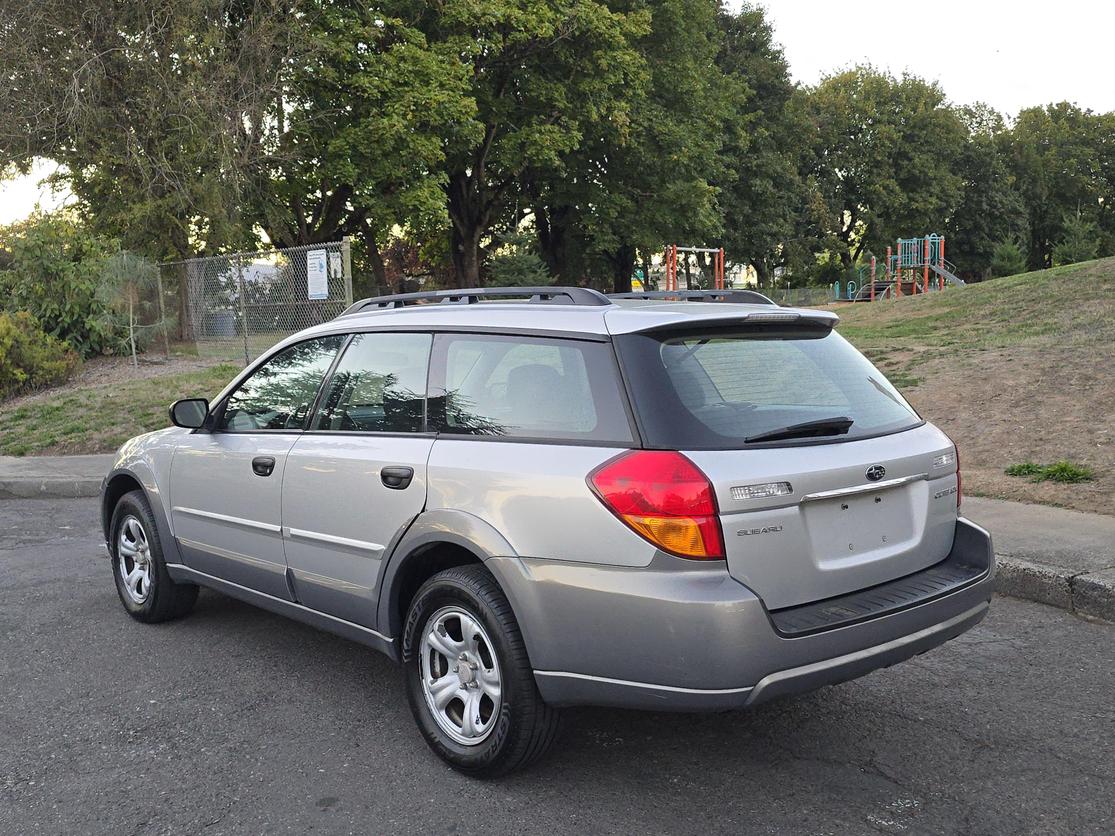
{"x": 1008, "y": 54}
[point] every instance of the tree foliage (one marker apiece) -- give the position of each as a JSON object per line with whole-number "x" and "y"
{"x": 433, "y": 132}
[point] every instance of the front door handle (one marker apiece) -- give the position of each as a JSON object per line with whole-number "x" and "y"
{"x": 263, "y": 465}
{"x": 397, "y": 478}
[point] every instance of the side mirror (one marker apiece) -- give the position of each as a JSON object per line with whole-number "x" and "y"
{"x": 189, "y": 413}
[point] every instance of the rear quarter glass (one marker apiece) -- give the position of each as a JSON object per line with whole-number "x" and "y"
{"x": 714, "y": 388}
{"x": 520, "y": 387}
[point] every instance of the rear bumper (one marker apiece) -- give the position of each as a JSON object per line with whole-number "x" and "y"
{"x": 685, "y": 639}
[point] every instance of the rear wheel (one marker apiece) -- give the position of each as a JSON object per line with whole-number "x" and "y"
{"x": 469, "y": 680}
{"x": 138, "y": 567}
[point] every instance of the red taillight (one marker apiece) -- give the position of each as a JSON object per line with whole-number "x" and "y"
{"x": 664, "y": 498}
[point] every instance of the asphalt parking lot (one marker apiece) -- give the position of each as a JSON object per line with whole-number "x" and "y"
{"x": 236, "y": 720}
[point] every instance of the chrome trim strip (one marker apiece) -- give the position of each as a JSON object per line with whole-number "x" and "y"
{"x": 331, "y": 539}
{"x": 226, "y": 518}
{"x": 648, "y": 685}
{"x": 870, "y": 488}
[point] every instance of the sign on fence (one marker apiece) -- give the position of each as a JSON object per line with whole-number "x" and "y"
{"x": 317, "y": 275}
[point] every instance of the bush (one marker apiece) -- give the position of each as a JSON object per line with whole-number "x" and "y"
{"x": 517, "y": 264}
{"x": 1080, "y": 242}
{"x": 54, "y": 268}
{"x": 1008, "y": 259}
{"x": 29, "y": 357}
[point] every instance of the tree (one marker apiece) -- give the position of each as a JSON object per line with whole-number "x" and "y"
{"x": 543, "y": 74}
{"x": 1079, "y": 243}
{"x": 761, "y": 192}
{"x": 1007, "y": 259}
{"x": 362, "y": 133}
{"x": 160, "y": 111}
{"x": 637, "y": 182}
{"x": 884, "y": 155}
{"x": 990, "y": 209}
{"x": 1058, "y": 156}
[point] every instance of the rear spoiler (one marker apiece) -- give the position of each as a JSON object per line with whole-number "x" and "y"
{"x": 635, "y": 320}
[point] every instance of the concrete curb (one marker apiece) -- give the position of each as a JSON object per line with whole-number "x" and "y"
{"x": 1089, "y": 594}
{"x": 49, "y": 488}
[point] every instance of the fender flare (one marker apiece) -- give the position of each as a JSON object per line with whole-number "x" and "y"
{"x": 456, "y": 528}
{"x": 140, "y": 472}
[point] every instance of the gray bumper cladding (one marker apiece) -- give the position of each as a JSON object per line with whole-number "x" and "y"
{"x": 645, "y": 639}
{"x": 969, "y": 562}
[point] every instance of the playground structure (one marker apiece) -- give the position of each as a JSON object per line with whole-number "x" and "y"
{"x": 671, "y": 264}
{"x": 907, "y": 271}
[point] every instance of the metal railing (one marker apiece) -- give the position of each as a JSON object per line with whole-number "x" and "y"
{"x": 236, "y": 306}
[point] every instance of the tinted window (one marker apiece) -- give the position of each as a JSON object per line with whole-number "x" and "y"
{"x": 530, "y": 388}
{"x": 717, "y": 389}
{"x": 378, "y": 386}
{"x": 278, "y": 395}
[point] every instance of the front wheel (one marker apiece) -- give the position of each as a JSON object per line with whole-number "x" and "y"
{"x": 138, "y": 567}
{"x": 469, "y": 680}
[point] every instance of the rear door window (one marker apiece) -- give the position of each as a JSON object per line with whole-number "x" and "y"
{"x": 527, "y": 387}
{"x": 379, "y": 385}
{"x": 724, "y": 389}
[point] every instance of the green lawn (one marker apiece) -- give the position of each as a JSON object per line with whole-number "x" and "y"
{"x": 97, "y": 419}
{"x": 1071, "y": 306}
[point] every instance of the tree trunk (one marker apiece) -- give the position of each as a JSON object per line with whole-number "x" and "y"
{"x": 646, "y": 271}
{"x": 375, "y": 258}
{"x": 762, "y": 273}
{"x": 623, "y": 265}
{"x": 466, "y": 257}
{"x": 467, "y": 226}
{"x": 553, "y": 237}
{"x": 688, "y": 282}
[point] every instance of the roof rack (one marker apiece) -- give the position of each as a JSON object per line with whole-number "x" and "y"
{"x": 473, "y": 295}
{"x": 749, "y": 297}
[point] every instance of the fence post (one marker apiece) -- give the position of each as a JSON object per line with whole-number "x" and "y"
{"x": 243, "y": 307}
{"x": 162, "y": 312}
{"x": 346, "y": 267}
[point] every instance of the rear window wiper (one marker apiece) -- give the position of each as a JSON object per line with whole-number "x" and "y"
{"x": 823, "y": 426}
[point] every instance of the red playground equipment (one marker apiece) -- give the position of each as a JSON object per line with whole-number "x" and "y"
{"x": 671, "y": 263}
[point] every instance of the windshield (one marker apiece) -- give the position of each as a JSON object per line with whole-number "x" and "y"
{"x": 761, "y": 385}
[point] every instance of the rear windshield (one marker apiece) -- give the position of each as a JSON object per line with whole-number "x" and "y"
{"x": 718, "y": 389}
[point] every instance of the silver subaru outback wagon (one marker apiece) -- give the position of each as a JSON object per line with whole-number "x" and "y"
{"x": 544, "y": 497}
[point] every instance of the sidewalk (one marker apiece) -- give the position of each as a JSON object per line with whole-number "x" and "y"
{"x": 52, "y": 476}
{"x": 1057, "y": 557}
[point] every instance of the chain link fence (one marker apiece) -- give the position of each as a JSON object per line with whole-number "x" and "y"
{"x": 234, "y": 307}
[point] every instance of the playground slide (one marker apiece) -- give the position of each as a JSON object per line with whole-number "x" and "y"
{"x": 947, "y": 275}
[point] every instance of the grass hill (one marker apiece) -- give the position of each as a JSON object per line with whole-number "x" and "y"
{"x": 1016, "y": 370}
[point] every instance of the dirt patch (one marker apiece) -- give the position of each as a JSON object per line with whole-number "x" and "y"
{"x": 1030, "y": 402}
{"x": 103, "y": 371}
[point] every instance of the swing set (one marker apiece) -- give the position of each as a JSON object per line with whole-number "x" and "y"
{"x": 671, "y": 263}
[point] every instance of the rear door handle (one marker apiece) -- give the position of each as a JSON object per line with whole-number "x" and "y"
{"x": 263, "y": 465}
{"x": 397, "y": 478}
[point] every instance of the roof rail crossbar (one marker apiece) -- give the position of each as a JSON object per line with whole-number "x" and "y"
{"x": 749, "y": 297}
{"x": 473, "y": 295}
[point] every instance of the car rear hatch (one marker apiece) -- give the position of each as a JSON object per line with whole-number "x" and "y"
{"x": 827, "y": 481}
{"x": 836, "y": 530}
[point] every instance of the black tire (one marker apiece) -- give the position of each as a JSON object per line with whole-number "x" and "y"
{"x": 163, "y": 599}
{"x": 525, "y": 727}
